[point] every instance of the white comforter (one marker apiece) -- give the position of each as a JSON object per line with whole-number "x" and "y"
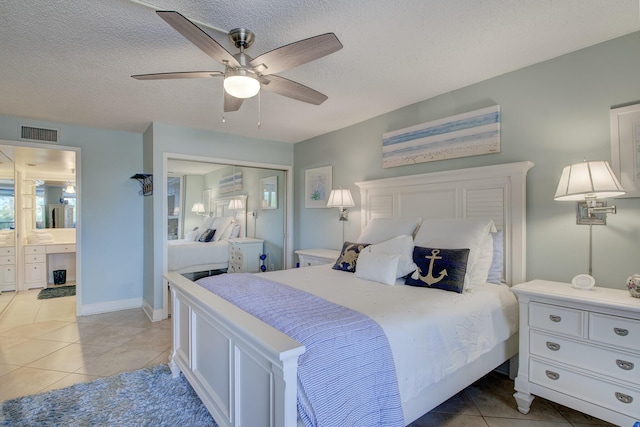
{"x": 185, "y": 253}
{"x": 431, "y": 332}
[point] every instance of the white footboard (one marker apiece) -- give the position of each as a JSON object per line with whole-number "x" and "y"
{"x": 243, "y": 370}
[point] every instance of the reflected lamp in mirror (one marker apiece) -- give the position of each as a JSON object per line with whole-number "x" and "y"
{"x": 585, "y": 183}
{"x": 198, "y": 208}
{"x": 235, "y": 205}
{"x": 342, "y": 200}
{"x": 70, "y": 189}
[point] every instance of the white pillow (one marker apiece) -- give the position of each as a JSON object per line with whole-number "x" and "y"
{"x": 379, "y": 267}
{"x": 381, "y": 229}
{"x": 402, "y": 246}
{"x": 454, "y": 233}
{"x": 220, "y": 225}
{"x": 497, "y": 262}
{"x": 191, "y": 235}
{"x": 480, "y": 272}
{"x": 228, "y": 231}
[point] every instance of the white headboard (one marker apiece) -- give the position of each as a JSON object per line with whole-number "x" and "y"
{"x": 221, "y": 208}
{"x": 497, "y": 192}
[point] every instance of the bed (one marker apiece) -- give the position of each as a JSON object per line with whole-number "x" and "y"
{"x": 246, "y": 372}
{"x": 190, "y": 255}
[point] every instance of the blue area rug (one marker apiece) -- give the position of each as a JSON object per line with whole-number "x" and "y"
{"x": 147, "y": 397}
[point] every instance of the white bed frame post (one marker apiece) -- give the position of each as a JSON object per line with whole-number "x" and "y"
{"x": 243, "y": 370}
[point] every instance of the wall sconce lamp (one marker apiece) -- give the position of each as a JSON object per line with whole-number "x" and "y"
{"x": 198, "y": 208}
{"x": 584, "y": 183}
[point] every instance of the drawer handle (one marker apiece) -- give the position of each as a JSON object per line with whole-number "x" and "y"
{"x": 553, "y": 346}
{"x": 623, "y": 364}
{"x": 555, "y": 318}
{"x": 553, "y": 375}
{"x": 621, "y": 331}
{"x": 624, "y": 398}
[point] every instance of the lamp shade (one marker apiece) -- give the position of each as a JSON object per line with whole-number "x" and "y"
{"x": 198, "y": 208}
{"x": 340, "y": 199}
{"x": 588, "y": 180}
{"x": 235, "y": 204}
{"x": 70, "y": 189}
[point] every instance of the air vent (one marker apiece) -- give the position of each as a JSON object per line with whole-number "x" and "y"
{"x": 29, "y": 133}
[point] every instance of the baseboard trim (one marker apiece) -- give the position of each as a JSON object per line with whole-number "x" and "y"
{"x": 153, "y": 315}
{"x": 106, "y": 307}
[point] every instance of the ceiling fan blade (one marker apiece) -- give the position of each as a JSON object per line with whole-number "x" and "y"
{"x": 198, "y": 37}
{"x": 178, "y": 75}
{"x": 291, "y": 89}
{"x": 231, "y": 103}
{"x": 296, "y": 53}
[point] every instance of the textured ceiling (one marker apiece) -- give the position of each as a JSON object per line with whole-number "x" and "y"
{"x": 70, "y": 61}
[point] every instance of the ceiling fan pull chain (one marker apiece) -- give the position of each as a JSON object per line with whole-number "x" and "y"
{"x": 259, "y": 110}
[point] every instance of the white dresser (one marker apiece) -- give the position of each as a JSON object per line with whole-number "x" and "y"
{"x": 580, "y": 348}
{"x": 309, "y": 257}
{"x": 244, "y": 255}
{"x": 7, "y": 268}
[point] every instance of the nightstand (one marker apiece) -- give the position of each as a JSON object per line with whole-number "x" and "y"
{"x": 309, "y": 257}
{"x": 244, "y": 255}
{"x": 580, "y": 348}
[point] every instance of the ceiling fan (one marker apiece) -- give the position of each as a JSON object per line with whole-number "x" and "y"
{"x": 245, "y": 76}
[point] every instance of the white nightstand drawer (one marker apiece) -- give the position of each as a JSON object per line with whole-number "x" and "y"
{"x": 7, "y": 259}
{"x": 612, "y": 363}
{"x": 556, "y": 319}
{"x": 618, "y": 331}
{"x": 7, "y": 250}
{"x": 599, "y": 392}
{"x": 35, "y": 258}
{"x": 34, "y": 250}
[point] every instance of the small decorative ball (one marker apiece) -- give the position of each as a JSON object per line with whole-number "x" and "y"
{"x": 263, "y": 268}
{"x": 633, "y": 285}
{"x": 263, "y": 256}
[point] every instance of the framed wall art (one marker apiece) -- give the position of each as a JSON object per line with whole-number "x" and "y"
{"x": 317, "y": 186}
{"x": 625, "y": 147}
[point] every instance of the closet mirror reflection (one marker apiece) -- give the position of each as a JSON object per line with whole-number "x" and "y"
{"x": 193, "y": 186}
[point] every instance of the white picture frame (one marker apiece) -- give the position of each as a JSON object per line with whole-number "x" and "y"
{"x": 625, "y": 147}
{"x": 317, "y": 187}
{"x": 269, "y": 192}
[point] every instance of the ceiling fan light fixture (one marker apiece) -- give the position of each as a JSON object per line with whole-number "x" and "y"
{"x": 241, "y": 84}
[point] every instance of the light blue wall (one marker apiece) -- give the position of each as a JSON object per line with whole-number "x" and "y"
{"x": 111, "y": 215}
{"x": 553, "y": 113}
{"x": 176, "y": 139}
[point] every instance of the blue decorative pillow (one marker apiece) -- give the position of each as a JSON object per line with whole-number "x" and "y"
{"x": 348, "y": 257}
{"x": 207, "y": 236}
{"x": 439, "y": 268}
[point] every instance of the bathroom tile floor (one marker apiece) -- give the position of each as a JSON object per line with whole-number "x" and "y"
{"x": 43, "y": 346}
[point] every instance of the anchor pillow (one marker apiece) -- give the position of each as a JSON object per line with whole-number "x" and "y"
{"x": 348, "y": 256}
{"x": 439, "y": 268}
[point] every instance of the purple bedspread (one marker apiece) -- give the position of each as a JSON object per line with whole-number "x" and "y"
{"x": 346, "y": 377}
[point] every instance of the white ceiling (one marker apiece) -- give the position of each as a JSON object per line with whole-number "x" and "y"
{"x": 70, "y": 61}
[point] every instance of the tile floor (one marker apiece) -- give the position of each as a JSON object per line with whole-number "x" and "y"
{"x": 43, "y": 346}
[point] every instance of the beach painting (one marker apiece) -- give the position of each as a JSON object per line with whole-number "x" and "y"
{"x": 463, "y": 135}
